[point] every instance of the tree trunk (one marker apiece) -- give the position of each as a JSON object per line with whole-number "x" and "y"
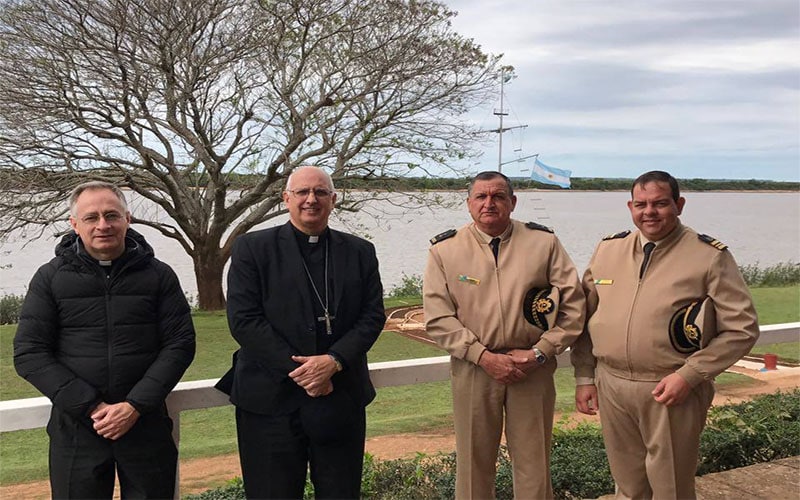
{"x": 208, "y": 267}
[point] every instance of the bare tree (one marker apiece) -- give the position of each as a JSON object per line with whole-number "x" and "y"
{"x": 204, "y": 107}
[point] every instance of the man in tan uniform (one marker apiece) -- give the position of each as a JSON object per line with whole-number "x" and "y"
{"x": 484, "y": 308}
{"x": 668, "y": 311}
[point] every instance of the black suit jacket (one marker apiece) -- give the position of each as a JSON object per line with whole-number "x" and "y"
{"x": 271, "y": 316}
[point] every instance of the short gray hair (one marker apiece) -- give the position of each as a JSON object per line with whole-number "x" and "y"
{"x": 94, "y": 186}
{"x": 326, "y": 174}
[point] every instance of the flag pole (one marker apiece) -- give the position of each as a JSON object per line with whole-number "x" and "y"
{"x": 501, "y": 113}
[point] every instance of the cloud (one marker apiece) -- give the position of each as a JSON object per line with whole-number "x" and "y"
{"x": 707, "y": 83}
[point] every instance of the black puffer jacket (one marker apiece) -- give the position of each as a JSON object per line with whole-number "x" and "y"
{"x": 84, "y": 337}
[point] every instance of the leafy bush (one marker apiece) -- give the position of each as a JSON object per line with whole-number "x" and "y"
{"x": 410, "y": 286}
{"x": 578, "y": 463}
{"x": 783, "y": 274}
{"x": 10, "y": 307}
{"x": 421, "y": 477}
{"x": 763, "y": 429}
{"x": 234, "y": 490}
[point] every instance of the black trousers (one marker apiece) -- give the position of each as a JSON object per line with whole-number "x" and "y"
{"x": 84, "y": 465}
{"x": 325, "y": 433}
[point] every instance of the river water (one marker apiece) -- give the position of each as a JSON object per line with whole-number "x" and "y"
{"x": 759, "y": 228}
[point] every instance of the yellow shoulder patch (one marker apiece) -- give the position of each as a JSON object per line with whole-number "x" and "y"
{"x": 712, "y": 241}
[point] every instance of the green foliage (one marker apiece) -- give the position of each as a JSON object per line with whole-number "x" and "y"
{"x": 782, "y": 274}
{"x": 761, "y": 430}
{"x": 410, "y": 286}
{"x": 398, "y": 184}
{"x": 424, "y": 476}
{"x": 234, "y": 490}
{"x": 578, "y": 463}
{"x": 10, "y": 307}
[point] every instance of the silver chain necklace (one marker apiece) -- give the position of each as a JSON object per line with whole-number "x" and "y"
{"x": 327, "y": 317}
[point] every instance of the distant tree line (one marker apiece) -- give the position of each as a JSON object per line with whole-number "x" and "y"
{"x": 399, "y": 184}
{"x": 578, "y": 184}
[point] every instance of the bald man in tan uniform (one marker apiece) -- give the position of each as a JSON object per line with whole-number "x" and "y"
{"x": 668, "y": 311}
{"x": 502, "y": 363}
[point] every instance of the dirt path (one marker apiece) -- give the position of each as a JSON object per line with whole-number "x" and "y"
{"x": 198, "y": 475}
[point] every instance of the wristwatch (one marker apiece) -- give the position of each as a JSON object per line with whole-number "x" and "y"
{"x": 539, "y": 356}
{"x": 336, "y": 360}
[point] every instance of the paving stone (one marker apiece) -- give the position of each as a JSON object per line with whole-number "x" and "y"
{"x": 772, "y": 480}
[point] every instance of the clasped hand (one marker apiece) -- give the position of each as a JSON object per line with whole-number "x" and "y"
{"x": 505, "y": 368}
{"x": 314, "y": 374}
{"x": 112, "y": 421}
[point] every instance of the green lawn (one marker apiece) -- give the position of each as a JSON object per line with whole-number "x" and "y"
{"x": 209, "y": 432}
{"x": 788, "y": 351}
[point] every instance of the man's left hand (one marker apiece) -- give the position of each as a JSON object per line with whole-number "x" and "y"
{"x": 314, "y": 373}
{"x": 114, "y": 421}
{"x": 530, "y": 363}
{"x": 672, "y": 390}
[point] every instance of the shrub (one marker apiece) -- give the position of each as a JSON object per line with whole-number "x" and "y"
{"x": 234, "y": 490}
{"x": 763, "y": 429}
{"x": 578, "y": 463}
{"x": 10, "y": 307}
{"x": 424, "y": 476}
{"x": 410, "y": 286}
{"x": 783, "y": 274}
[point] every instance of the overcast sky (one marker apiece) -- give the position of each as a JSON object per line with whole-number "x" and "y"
{"x": 700, "y": 88}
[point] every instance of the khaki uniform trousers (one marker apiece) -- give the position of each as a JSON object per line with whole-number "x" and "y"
{"x": 652, "y": 448}
{"x": 480, "y": 406}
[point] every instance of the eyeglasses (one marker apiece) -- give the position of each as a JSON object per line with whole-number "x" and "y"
{"x": 319, "y": 193}
{"x": 110, "y": 218}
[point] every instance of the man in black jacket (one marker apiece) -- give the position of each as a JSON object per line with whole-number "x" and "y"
{"x": 106, "y": 332}
{"x": 305, "y": 304}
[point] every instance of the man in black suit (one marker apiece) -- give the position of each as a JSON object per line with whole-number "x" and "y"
{"x": 305, "y": 304}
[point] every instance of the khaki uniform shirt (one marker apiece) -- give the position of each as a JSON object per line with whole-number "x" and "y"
{"x": 472, "y": 305}
{"x": 628, "y": 326}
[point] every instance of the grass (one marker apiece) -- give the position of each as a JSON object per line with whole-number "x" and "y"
{"x": 420, "y": 407}
{"x": 788, "y": 351}
{"x": 777, "y": 304}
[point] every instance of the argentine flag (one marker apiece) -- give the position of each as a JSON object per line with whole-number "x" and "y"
{"x": 549, "y": 175}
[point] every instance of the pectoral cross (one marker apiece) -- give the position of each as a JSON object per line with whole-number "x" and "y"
{"x": 327, "y": 319}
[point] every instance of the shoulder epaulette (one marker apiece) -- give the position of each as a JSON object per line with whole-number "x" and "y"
{"x": 712, "y": 241}
{"x": 533, "y": 225}
{"x": 621, "y": 234}
{"x": 443, "y": 236}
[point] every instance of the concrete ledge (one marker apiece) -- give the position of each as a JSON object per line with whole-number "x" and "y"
{"x": 770, "y": 480}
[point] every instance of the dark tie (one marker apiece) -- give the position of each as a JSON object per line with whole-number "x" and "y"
{"x": 648, "y": 249}
{"x": 495, "y": 244}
